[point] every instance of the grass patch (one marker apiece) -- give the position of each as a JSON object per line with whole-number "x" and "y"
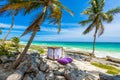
{"x": 110, "y": 69}
{"x": 114, "y": 72}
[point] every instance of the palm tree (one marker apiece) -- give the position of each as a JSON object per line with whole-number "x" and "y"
{"x": 11, "y": 9}
{"x": 96, "y": 17}
{"x": 12, "y": 24}
{"x": 1, "y": 28}
{"x": 51, "y": 9}
{"x": 0, "y": 32}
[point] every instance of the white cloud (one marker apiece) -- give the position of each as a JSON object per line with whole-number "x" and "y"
{"x": 111, "y": 34}
{"x": 74, "y": 33}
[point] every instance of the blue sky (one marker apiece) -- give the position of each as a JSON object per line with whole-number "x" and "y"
{"x": 71, "y": 30}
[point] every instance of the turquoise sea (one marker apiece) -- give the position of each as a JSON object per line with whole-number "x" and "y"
{"x": 102, "y": 48}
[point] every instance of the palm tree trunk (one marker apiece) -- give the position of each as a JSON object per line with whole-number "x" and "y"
{"x": 4, "y": 39}
{"x": 25, "y": 50}
{"x": 30, "y": 41}
{"x": 94, "y": 43}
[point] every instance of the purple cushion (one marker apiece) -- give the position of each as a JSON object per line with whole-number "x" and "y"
{"x": 64, "y": 61}
{"x": 69, "y": 59}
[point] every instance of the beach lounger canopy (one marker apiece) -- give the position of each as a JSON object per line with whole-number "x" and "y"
{"x": 55, "y": 53}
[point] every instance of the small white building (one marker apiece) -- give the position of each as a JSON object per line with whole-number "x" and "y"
{"x": 55, "y": 53}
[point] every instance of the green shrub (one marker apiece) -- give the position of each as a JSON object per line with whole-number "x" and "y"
{"x": 4, "y": 51}
{"x": 15, "y": 44}
{"x": 41, "y": 50}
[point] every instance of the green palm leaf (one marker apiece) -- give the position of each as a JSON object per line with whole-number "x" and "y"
{"x": 114, "y": 11}
{"x": 63, "y": 7}
{"x": 36, "y": 23}
{"x": 89, "y": 28}
{"x": 101, "y": 29}
{"x": 84, "y": 22}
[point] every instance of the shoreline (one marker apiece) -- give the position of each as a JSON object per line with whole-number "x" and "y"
{"x": 98, "y": 53}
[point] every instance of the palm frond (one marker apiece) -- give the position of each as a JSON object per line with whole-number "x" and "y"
{"x": 92, "y": 16}
{"x": 94, "y": 6}
{"x": 32, "y": 7}
{"x": 101, "y": 29}
{"x": 84, "y": 22}
{"x": 16, "y": 6}
{"x": 35, "y": 25}
{"x": 114, "y": 11}
{"x": 63, "y": 7}
{"x": 56, "y": 13}
{"x": 102, "y": 3}
{"x": 88, "y": 11}
{"x": 104, "y": 16}
{"x": 110, "y": 18}
{"x": 21, "y": 4}
{"x": 91, "y": 26}
{"x": 59, "y": 27}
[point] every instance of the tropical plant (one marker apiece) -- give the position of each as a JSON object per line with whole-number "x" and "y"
{"x": 48, "y": 9}
{"x": 41, "y": 50}
{"x": 11, "y": 11}
{"x": 15, "y": 41}
{"x": 4, "y": 50}
{"x": 12, "y": 24}
{"x": 96, "y": 17}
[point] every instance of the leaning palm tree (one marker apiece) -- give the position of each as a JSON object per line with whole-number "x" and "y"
{"x": 0, "y": 31}
{"x": 48, "y": 9}
{"x": 12, "y": 24}
{"x": 96, "y": 17}
{"x": 11, "y": 27}
{"x": 11, "y": 9}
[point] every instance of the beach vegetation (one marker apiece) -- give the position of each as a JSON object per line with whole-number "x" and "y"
{"x": 41, "y": 50}
{"x": 4, "y": 50}
{"x": 96, "y": 17}
{"x": 110, "y": 69}
{"x": 7, "y": 46}
{"x": 15, "y": 43}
